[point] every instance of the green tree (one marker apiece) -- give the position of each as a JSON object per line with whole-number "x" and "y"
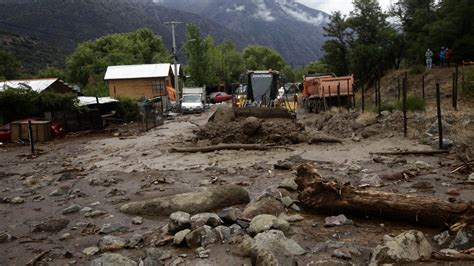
{"x": 51, "y": 72}
{"x": 336, "y": 48}
{"x": 259, "y": 57}
{"x": 198, "y": 54}
{"x": 87, "y": 64}
{"x": 8, "y": 65}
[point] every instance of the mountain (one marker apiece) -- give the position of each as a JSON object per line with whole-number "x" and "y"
{"x": 293, "y": 29}
{"x": 63, "y": 24}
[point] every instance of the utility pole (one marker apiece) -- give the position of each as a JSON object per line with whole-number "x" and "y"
{"x": 175, "y": 55}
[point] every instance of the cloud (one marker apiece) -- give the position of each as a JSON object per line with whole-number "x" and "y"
{"x": 345, "y": 6}
{"x": 236, "y": 9}
{"x": 291, "y": 8}
{"x": 262, "y": 11}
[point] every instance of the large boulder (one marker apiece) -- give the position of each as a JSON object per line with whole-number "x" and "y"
{"x": 205, "y": 218}
{"x": 273, "y": 245}
{"x": 265, "y": 222}
{"x": 264, "y": 205}
{"x": 111, "y": 243}
{"x": 179, "y": 221}
{"x": 193, "y": 202}
{"x": 251, "y": 125}
{"x": 409, "y": 246}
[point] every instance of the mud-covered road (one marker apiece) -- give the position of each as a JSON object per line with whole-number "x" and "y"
{"x": 100, "y": 172}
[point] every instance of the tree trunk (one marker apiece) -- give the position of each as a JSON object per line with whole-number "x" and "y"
{"x": 318, "y": 194}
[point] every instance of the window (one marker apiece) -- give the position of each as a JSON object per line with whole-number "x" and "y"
{"x": 158, "y": 87}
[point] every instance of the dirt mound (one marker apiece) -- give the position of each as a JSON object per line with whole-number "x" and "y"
{"x": 225, "y": 127}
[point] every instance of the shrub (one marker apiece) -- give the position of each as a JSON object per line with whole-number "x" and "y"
{"x": 414, "y": 103}
{"x": 468, "y": 89}
{"x": 127, "y": 109}
{"x": 416, "y": 69}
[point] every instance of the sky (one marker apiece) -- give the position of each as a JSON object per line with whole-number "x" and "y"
{"x": 345, "y": 6}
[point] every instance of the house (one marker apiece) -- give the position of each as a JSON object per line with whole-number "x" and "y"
{"x": 39, "y": 85}
{"x": 138, "y": 81}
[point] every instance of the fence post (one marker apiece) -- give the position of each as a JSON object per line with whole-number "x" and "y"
{"x": 398, "y": 79}
{"x": 440, "y": 123}
{"x": 329, "y": 101}
{"x": 379, "y": 100}
{"x": 455, "y": 104}
{"x": 405, "y": 124}
{"x": 30, "y": 136}
{"x": 349, "y": 100}
{"x": 363, "y": 98}
{"x": 338, "y": 94}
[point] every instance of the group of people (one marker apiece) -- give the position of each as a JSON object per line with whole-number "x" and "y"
{"x": 444, "y": 56}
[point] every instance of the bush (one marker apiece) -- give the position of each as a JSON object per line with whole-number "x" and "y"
{"x": 127, "y": 109}
{"x": 416, "y": 70}
{"x": 468, "y": 89}
{"x": 21, "y": 103}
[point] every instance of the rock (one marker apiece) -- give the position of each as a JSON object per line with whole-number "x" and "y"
{"x": 370, "y": 180}
{"x": 282, "y": 225}
{"x": 463, "y": 239}
{"x": 261, "y": 223}
{"x": 5, "y": 237}
{"x": 229, "y": 215}
{"x": 471, "y": 177}
{"x": 17, "y": 200}
{"x": 342, "y": 253}
{"x": 136, "y": 241}
{"x": 180, "y": 236}
{"x": 370, "y": 131}
{"x": 264, "y": 205}
{"x": 57, "y": 192}
{"x": 287, "y": 201}
{"x": 71, "y": 209}
{"x": 282, "y": 248}
{"x": 289, "y": 184}
{"x": 193, "y": 239}
{"x": 193, "y": 202}
{"x": 409, "y": 246}
{"x": 155, "y": 256}
{"x": 65, "y": 236}
{"x": 66, "y": 176}
{"x": 51, "y": 226}
{"x": 452, "y": 192}
{"x": 243, "y": 223}
{"x": 86, "y": 209}
{"x": 385, "y": 113}
{"x": 206, "y": 218}
{"x": 208, "y": 236}
{"x": 434, "y": 127}
{"x": 111, "y": 243}
{"x": 337, "y": 220}
{"x": 223, "y": 232}
{"x": 442, "y": 238}
{"x": 137, "y": 220}
{"x": 177, "y": 262}
{"x": 447, "y": 144}
{"x": 95, "y": 214}
{"x": 112, "y": 259}
{"x": 202, "y": 253}
{"x": 283, "y": 165}
{"x": 113, "y": 227}
{"x": 291, "y": 218}
{"x": 91, "y": 251}
{"x": 260, "y": 255}
{"x": 179, "y": 221}
{"x": 251, "y": 125}
{"x": 423, "y": 165}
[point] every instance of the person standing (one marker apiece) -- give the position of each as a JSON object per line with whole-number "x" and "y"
{"x": 442, "y": 57}
{"x": 448, "y": 54}
{"x": 429, "y": 60}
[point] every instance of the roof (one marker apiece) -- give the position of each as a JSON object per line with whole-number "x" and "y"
{"x": 38, "y": 85}
{"x": 89, "y": 100}
{"x": 138, "y": 71}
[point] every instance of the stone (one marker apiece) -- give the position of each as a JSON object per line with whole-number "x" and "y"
{"x": 342, "y": 253}
{"x": 251, "y": 125}
{"x": 193, "y": 239}
{"x": 86, "y": 209}
{"x": 289, "y": 184}
{"x": 442, "y": 238}
{"x": 112, "y": 227}
{"x": 370, "y": 131}
{"x": 261, "y": 223}
{"x": 95, "y": 214}
{"x": 155, "y": 257}
{"x": 177, "y": 262}
{"x": 202, "y": 253}
{"x": 291, "y": 218}
{"x": 206, "y": 218}
{"x": 282, "y": 248}
{"x": 91, "y": 251}
{"x": 223, "y": 232}
{"x": 179, "y": 221}
{"x": 370, "y": 180}
{"x": 137, "y": 220}
{"x": 423, "y": 165}
{"x": 463, "y": 239}
{"x": 409, "y": 246}
{"x": 446, "y": 145}
{"x": 341, "y": 219}
{"x": 282, "y": 225}
{"x": 17, "y": 200}
{"x": 111, "y": 243}
{"x": 57, "y": 192}
{"x": 71, "y": 209}
{"x": 136, "y": 241}
{"x": 51, "y": 226}
{"x": 192, "y": 202}
{"x": 229, "y": 215}
{"x": 264, "y": 205}
{"x": 113, "y": 259}
{"x": 452, "y": 192}
{"x": 470, "y": 178}
{"x": 208, "y": 236}
{"x": 434, "y": 127}
{"x": 180, "y": 236}
{"x": 65, "y": 236}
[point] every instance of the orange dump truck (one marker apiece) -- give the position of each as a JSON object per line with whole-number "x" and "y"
{"x": 323, "y": 91}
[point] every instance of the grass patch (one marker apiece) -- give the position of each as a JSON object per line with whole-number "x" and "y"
{"x": 468, "y": 89}
{"x": 417, "y": 69}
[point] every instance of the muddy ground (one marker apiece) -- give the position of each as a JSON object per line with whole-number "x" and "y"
{"x": 103, "y": 171}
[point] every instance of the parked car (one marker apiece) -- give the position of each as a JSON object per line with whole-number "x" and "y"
{"x": 218, "y": 97}
{"x": 192, "y": 103}
{"x": 5, "y": 133}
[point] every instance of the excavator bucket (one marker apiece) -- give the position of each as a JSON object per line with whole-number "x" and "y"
{"x": 264, "y": 112}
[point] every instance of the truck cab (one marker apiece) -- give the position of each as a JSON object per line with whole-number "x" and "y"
{"x": 192, "y": 103}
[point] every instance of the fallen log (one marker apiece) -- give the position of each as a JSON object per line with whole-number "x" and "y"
{"x": 323, "y": 139}
{"x": 219, "y": 147}
{"x": 192, "y": 202}
{"x": 452, "y": 256}
{"x": 435, "y": 152}
{"x": 34, "y": 260}
{"x": 331, "y": 196}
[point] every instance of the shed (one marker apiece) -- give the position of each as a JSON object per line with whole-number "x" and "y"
{"x": 39, "y": 85}
{"x": 138, "y": 81}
